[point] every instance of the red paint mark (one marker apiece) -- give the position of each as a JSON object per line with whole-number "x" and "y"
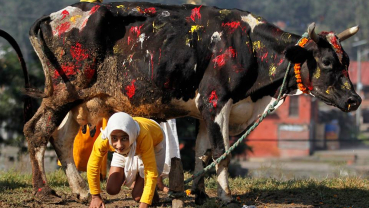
{"x": 166, "y": 84}
{"x": 129, "y": 40}
{"x": 345, "y": 73}
{"x": 280, "y": 61}
{"x": 195, "y": 14}
{"x": 131, "y": 89}
{"x": 78, "y": 53}
{"x": 213, "y": 99}
{"x": 238, "y": 68}
{"x": 335, "y": 44}
{"x": 39, "y": 190}
{"x": 264, "y": 56}
{"x": 65, "y": 13}
{"x": 150, "y": 11}
{"x": 89, "y": 72}
{"x": 68, "y": 70}
{"x": 136, "y": 29}
{"x": 94, "y": 9}
{"x": 62, "y": 28}
{"x": 83, "y": 25}
{"x": 231, "y": 26}
{"x": 221, "y": 60}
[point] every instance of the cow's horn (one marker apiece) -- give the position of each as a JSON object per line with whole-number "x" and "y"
{"x": 312, "y": 33}
{"x": 348, "y": 33}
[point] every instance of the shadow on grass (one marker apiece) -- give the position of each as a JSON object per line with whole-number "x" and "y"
{"x": 11, "y": 185}
{"x": 311, "y": 196}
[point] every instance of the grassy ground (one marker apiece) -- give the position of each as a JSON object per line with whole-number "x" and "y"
{"x": 343, "y": 192}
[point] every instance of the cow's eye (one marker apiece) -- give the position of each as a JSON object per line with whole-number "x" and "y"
{"x": 327, "y": 63}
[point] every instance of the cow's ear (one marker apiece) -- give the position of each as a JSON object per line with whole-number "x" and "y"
{"x": 296, "y": 54}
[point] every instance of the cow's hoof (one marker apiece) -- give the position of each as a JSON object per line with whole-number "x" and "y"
{"x": 201, "y": 198}
{"x": 82, "y": 198}
{"x": 46, "y": 195}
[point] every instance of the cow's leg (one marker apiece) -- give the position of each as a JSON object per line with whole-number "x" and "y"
{"x": 62, "y": 140}
{"x": 222, "y": 119}
{"x": 202, "y": 156}
{"x": 216, "y": 118}
{"x": 37, "y": 131}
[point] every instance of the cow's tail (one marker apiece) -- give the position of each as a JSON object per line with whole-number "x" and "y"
{"x": 28, "y": 109}
{"x": 38, "y": 42}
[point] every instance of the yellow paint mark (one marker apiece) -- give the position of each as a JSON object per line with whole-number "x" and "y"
{"x": 257, "y": 45}
{"x": 285, "y": 37}
{"x": 120, "y": 6}
{"x": 188, "y": 40}
{"x": 157, "y": 27}
{"x": 196, "y": 28}
{"x": 317, "y": 73}
{"x": 225, "y": 12}
{"x": 328, "y": 91}
{"x": 117, "y": 49}
{"x": 74, "y": 18}
{"x": 272, "y": 70}
{"x": 346, "y": 85}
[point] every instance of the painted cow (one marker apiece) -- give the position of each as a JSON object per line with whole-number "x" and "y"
{"x": 223, "y": 67}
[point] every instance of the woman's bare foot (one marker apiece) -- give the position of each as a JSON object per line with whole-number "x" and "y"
{"x": 162, "y": 187}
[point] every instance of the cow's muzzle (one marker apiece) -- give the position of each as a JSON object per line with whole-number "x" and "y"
{"x": 353, "y": 103}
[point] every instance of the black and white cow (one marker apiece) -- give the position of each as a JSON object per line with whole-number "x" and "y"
{"x": 223, "y": 67}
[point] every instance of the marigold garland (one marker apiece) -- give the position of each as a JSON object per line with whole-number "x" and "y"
{"x": 297, "y": 68}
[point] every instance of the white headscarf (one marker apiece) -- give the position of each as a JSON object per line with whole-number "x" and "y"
{"x": 123, "y": 121}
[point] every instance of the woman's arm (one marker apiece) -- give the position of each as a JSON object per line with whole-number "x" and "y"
{"x": 99, "y": 150}
{"x": 151, "y": 173}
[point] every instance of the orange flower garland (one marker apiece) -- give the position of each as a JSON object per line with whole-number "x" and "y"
{"x": 297, "y": 69}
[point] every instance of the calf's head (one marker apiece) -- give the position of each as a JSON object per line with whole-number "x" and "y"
{"x": 324, "y": 68}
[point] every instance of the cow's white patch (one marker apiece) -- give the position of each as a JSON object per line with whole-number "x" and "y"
{"x": 64, "y": 121}
{"x": 141, "y": 39}
{"x": 68, "y": 18}
{"x": 222, "y": 119}
{"x": 216, "y": 37}
{"x": 251, "y": 20}
{"x": 165, "y": 14}
{"x": 39, "y": 154}
{"x": 194, "y": 68}
{"x": 245, "y": 112}
{"x": 223, "y": 190}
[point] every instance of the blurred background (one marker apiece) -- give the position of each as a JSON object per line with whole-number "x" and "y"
{"x": 302, "y": 129}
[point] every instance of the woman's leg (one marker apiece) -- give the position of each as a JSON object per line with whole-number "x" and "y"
{"x": 115, "y": 180}
{"x": 138, "y": 190}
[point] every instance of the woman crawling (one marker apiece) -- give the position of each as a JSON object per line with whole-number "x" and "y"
{"x": 138, "y": 159}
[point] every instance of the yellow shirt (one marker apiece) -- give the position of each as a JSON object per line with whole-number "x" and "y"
{"x": 150, "y": 135}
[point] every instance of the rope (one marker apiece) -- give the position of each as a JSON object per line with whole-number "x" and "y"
{"x": 271, "y": 109}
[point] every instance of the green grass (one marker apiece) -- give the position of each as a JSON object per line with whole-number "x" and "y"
{"x": 344, "y": 192}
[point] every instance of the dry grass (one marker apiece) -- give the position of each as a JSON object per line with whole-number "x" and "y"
{"x": 342, "y": 192}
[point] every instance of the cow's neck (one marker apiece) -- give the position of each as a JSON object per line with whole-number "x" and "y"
{"x": 271, "y": 75}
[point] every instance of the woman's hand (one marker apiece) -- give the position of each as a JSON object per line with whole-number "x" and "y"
{"x": 97, "y": 202}
{"x": 143, "y": 205}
